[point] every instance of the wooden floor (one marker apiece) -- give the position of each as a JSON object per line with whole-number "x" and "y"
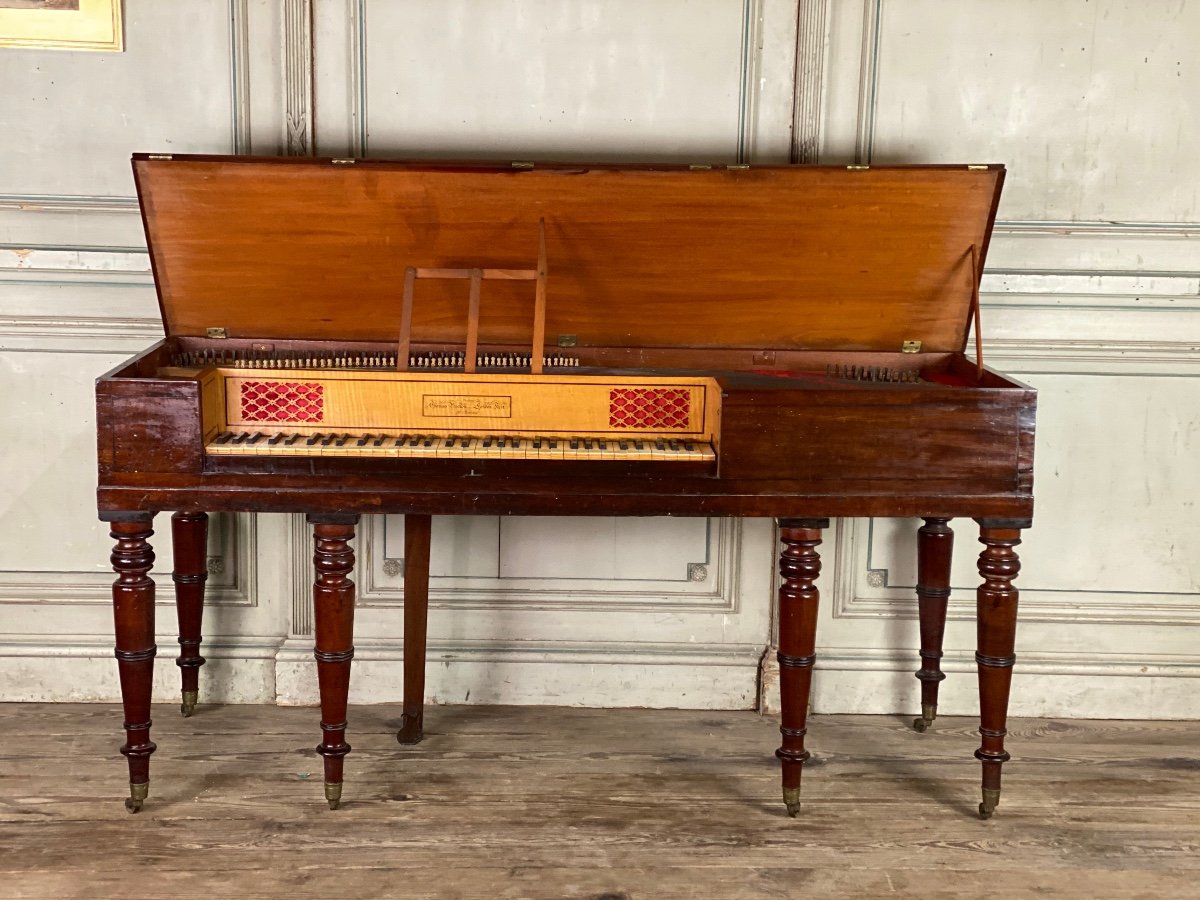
{"x": 546, "y": 802}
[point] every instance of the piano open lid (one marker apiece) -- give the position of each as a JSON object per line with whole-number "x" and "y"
{"x": 791, "y": 257}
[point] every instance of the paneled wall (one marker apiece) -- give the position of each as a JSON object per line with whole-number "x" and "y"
{"x": 1092, "y": 294}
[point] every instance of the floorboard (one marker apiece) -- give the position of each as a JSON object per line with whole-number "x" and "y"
{"x": 546, "y": 802}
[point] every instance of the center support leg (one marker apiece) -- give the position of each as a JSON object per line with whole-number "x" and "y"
{"x": 416, "y": 622}
{"x": 189, "y": 539}
{"x": 333, "y": 614}
{"x": 935, "y": 546}
{"x": 997, "y": 630}
{"x": 133, "y": 617}
{"x": 799, "y": 566}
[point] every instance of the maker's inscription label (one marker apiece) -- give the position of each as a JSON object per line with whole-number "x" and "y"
{"x": 467, "y": 405}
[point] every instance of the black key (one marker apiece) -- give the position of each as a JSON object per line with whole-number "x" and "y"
{"x": 624, "y": 445}
{"x": 293, "y": 439}
{"x": 449, "y": 442}
{"x": 575, "y": 445}
{"x": 328, "y": 439}
{"x": 601, "y": 445}
{"x": 554, "y": 445}
{"x": 341, "y": 440}
{"x": 224, "y": 437}
{"x": 537, "y": 445}
{"x": 587, "y": 444}
{"x": 516, "y": 443}
{"x": 487, "y": 442}
{"x": 428, "y": 442}
{"x": 241, "y": 438}
{"x": 674, "y": 446}
{"x": 379, "y": 441}
{"x": 362, "y": 441}
{"x": 660, "y": 445}
{"x": 276, "y": 438}
{"x": 316, "y": 437}
{"x": 688, "y": 446}
{"x": 637, "y": 445}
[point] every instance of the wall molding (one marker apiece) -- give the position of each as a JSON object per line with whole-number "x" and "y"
{"x": 81, "y": 668}
{"x": 546, "y": 652}
{"x": 1147, "y": 359}
{"x": 239, "y": 131}
{"x": 1085, "y": 227}
{"x": 868, "y": 81}
{"x": 84, "y": 646}
{"x": 357, "y": 14}
{"x": 55, "y": 334}
{"x": 808, "y": 80}
{"x": 239, "y": 80}
{"x": 751, "y": 63}
{"x": 73, "y": 203}
{"x": 723, "y": 570}
{"x": 1028, "y": 662}
{"x": 1042, "y": 605}
{"x": 681, "y": 676}
{"x": 233, "y": 573}
{"x": 299, "y": 133}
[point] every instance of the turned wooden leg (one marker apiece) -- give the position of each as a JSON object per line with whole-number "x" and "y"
{"x": 416, "y": 620}
{"x": 935, "y": 546}
{"x": 189, "y": 538}
{"x": 799, "y": 566}
{"x": 133, "y": 615}
{"x": 333, "y": 614}
{"x": 997, "y": 629}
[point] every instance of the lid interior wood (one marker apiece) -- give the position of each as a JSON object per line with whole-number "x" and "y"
{"x": 797, "y": 257}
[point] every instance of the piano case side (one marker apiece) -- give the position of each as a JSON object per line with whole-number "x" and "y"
{"x": 146, "y": 424}
{"x": 938, "y": 440}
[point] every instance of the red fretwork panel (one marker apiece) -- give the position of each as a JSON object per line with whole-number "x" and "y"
{"x": 283, "y": 401}
{"x": 649, "y": 408}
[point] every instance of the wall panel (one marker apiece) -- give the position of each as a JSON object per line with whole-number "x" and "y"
{"x": 1092, "y": 295}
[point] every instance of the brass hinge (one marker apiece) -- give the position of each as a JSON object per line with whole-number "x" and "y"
{"x": 343, "y": 161}
{"x": 160, "y": 156}
{"x": 520, "y": 164}
{"x": 911, "y": 347}
{"x": 215, "y": 333}
{"x": 857, "y": 168}
{"x": 977, "y": 168}
{"x": 699, "y": 167}
{"x": 738, "y": 167}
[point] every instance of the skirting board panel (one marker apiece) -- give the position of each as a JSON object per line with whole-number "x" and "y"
{"x": 1044, "y": 686}
{"x": 594, "y": 675}
{"x": 34, "y": 671}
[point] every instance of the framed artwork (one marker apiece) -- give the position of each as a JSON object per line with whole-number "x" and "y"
{"x": 61, "y": 24}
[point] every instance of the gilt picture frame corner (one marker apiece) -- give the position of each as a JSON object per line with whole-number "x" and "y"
{"x": 62, "y": 25}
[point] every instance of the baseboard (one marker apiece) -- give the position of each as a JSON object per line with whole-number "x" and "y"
{"x": 83, "y": 669}
{"x": 541, "y": 673}
{"x": 1058, "y": 685}
{"x": 266, "y": 670}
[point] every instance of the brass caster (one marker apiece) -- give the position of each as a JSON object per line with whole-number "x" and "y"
{"x": 188, "y": 706}
{"x": 928, "y": 714}
{"x": 333, "y": 793}
{"x": 791, "y": 799}
{"x": 137, "y": 794}
{"x": 991, "y": 798}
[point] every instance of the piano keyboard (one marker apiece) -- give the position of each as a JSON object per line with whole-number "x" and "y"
{"x": 228, "y": 443}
